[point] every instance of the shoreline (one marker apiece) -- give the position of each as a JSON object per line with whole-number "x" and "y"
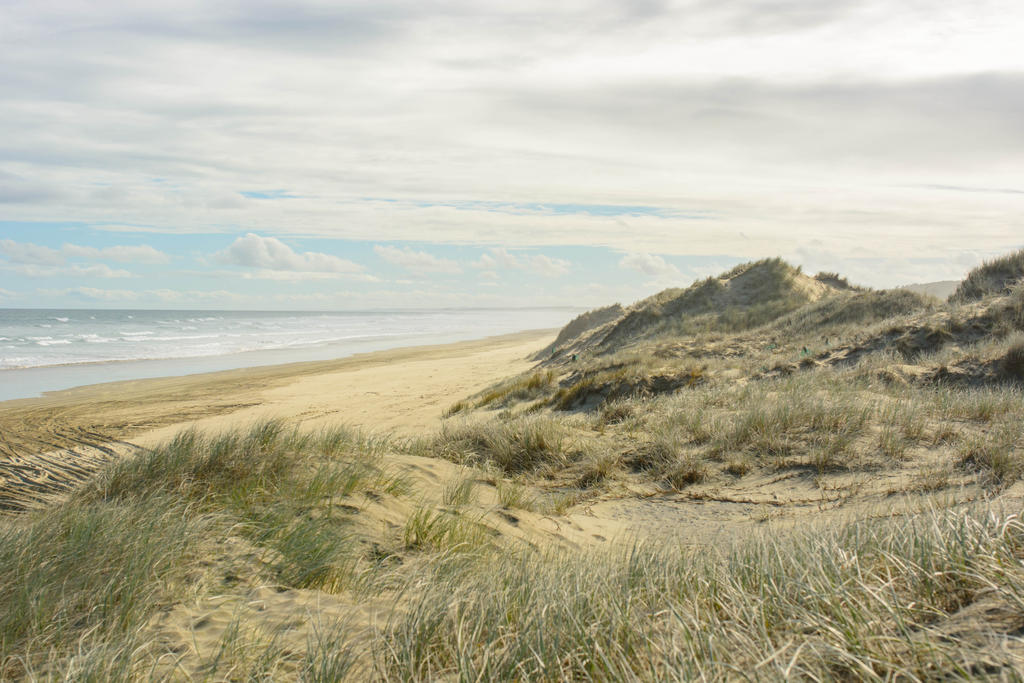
{"x": 36, "y": 382}
{"x": 269, "y": 371}
{"x": 46, "y": 442}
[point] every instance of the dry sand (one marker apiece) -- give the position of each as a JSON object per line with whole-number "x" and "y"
{"x": 49, "y": 444}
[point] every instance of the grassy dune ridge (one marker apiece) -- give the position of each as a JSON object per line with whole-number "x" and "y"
{"x": 809, "y": 481}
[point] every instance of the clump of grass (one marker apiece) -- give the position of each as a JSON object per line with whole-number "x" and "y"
{"x": 269, "y": 481}
{"x": 459, "y": 492}
{"x": 668, "y": 458}
{"x": 689, "y": 468}
{"x": 197, "y": 467}
{"x": 512, "y": 495}
{"x": 518, "y": 445}
{"x": 615, "y": 412}
{"x": 440, "y": 530}
{"x": 302, "y": 552}
{"x": 893, "y": 443}
{"x": 597, "y": 469}
{"x": 789, "y": 421}
{"x": 456, "y": 408}
{"x": 996, "y": 455}
{"x": 526, "y": 388}
{"x": 695, "y": 423}
{"x": 559, "y": 502}
{"x": 933, "y": 477}
{"x": 1011, "y": 365}
{"x": 738, "y": 465}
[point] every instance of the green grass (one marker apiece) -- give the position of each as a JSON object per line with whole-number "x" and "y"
{"x": 86, "y": 576}
{"x": 459, "y": 492}
{"x": 79, "y": 581}
{"x": 442, "y": 530}
{"x": 512, "y": 495}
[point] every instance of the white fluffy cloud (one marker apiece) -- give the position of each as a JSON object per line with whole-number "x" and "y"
{"x": 271, "y": 254}
{"x": 497, "y": 258}
{"x": 547, "y": 266}
{"x": 34, "y": 254}
{"x": 419, "y": 262}
{"x": 500, "y": 258}
{"x": 651, "y": 265}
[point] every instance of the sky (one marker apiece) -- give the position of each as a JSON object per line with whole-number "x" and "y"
{"x": 391, "y": 153}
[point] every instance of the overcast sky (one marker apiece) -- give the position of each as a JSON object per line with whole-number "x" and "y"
{"x": 397, "y": 153}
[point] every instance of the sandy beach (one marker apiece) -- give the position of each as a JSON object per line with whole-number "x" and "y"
{"x": 48, "y": 444}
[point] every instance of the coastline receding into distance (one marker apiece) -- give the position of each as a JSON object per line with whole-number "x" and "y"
{"x": 69, "y": 348}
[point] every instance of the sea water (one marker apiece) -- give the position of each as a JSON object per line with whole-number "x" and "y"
{"x": 47, "y": 350}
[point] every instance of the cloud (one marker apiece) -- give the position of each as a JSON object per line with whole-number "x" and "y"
{"x": 500, "y": 258}
{"x": 783, "y": 119}
{"x": 94, "y": 294}
{"x": 163, "y": 295}
{"x": 547, "y": 266}
{"x": 485, "y": 262}
{"x": 651, "y": 265}
{"x": 497, "y": 257}
{"x": 121, "y": 254}
{"x": 100, "y": 270}
{"x": 271, "y": 254}
{"x": 34, "y": 254}
{"x": 293, "y": 276}
{"x": 419, "y": 262}
{"x": 17, "y": 190}
{"x": 38, "y": 255}
{"x": 504, "y": 259}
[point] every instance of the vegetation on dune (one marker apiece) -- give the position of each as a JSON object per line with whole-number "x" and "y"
{"x": 746, "y": 297}
{"x": 993, "y": 277}
{"x": 833, "y": 314}
{"x": 86, "y": 575}
{"x": 579, "y": 326}
{"x": 515, "y": 446}
{"x": 83, "y": 578}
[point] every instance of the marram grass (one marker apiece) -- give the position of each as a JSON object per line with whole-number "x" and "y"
{"x": 867, "y": 601}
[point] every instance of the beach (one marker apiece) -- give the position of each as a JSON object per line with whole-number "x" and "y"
{"x": 412, "y": 513}
{"x": 50, "y": 443}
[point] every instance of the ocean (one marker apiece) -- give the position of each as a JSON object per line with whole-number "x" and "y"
{"x": 48, "y": 350}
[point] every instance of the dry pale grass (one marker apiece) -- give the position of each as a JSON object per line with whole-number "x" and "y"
{"x": 936, "y": 596}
